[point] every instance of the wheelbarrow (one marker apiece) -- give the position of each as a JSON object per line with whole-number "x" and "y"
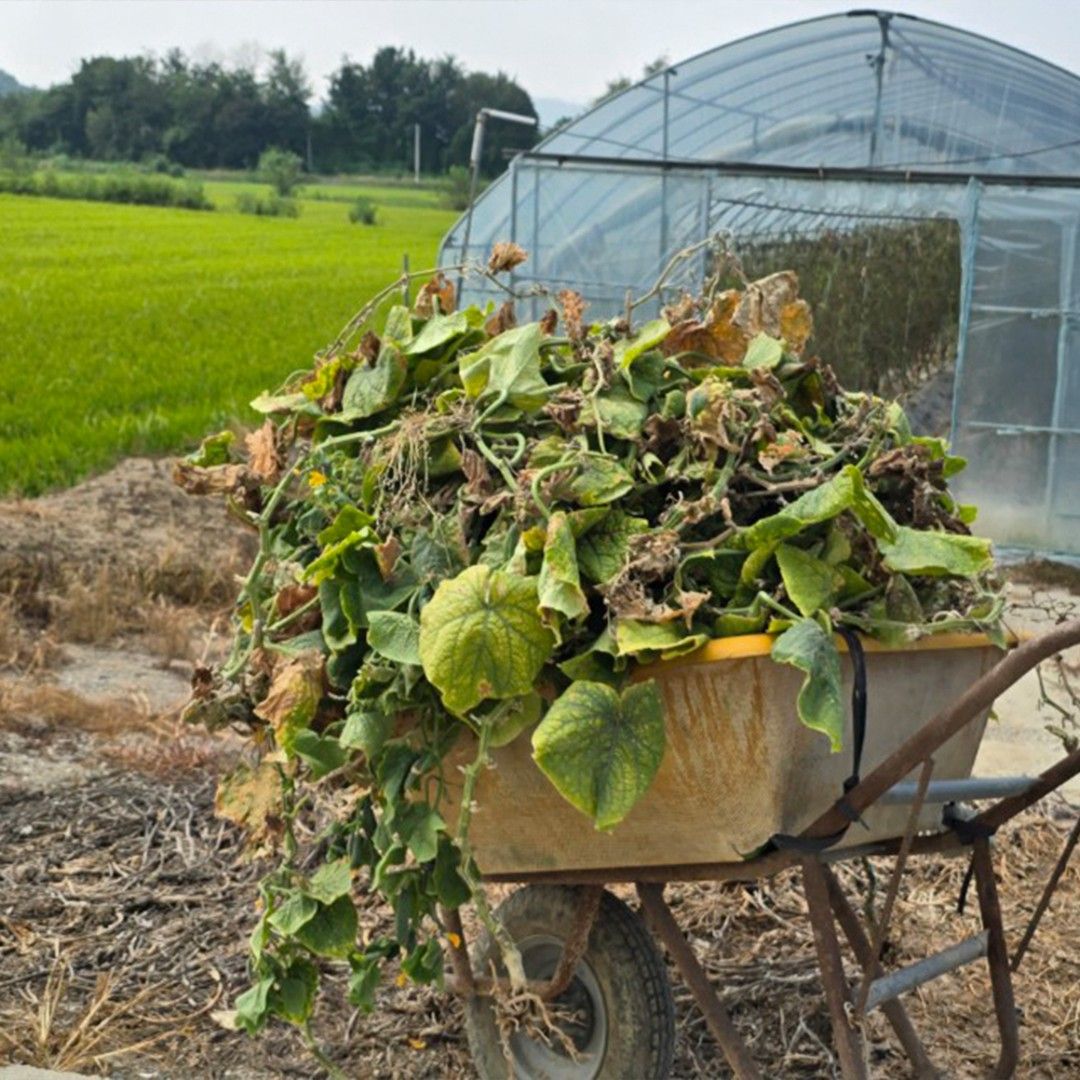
{"x": 744, "y": 792}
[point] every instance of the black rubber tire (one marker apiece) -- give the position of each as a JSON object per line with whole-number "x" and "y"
{"x": 624, "y": 964}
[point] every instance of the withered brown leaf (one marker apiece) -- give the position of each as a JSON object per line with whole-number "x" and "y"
{"x": 505, "y": 255}
{"x": 265, "y": 459}
{"x": 437, "y": 296}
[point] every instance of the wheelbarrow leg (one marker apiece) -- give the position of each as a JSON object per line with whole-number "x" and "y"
{"x": 846, "y": 1038}
{"x": 997, "y": 957}
{"x": 667, "y": 929}
{"x": 894, "y": 1010}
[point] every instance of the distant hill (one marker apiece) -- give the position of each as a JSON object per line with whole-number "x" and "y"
{"x": 10, "y": 85}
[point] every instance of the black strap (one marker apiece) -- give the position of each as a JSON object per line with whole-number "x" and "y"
{"x": 811, "y": 845}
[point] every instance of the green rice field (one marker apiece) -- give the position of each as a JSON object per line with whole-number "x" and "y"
{"x": 132, "y": 329}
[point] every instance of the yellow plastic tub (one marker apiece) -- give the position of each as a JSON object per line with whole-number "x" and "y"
{"x": 739, "y": 766}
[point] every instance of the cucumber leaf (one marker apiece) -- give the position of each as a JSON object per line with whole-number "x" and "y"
{"x": 601, "y": 749}
{"x": 809, "y": 648}
{"x": 481, "y": 637}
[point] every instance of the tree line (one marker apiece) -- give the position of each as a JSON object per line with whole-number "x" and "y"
{"x": 208, "y": 115}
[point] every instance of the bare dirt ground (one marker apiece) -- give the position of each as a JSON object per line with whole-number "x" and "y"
{"x": 125, "y": 904}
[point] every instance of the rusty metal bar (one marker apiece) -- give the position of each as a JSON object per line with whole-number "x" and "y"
{"x": 881, "y": 927}
{"x": 577, "y": 941}
{"x": 1044, "y": 900}
{"x": 466, "y": 983}
{"x": 936, "y": 732}
{"x": 845, "y": 1037}
{"x": 667, "y": 929}
{"x": 997, "y": 958}
{"x": 459, "y": 953}
{"x": 894, "y": 1011}
{"x": 1059, "y": 773}
{"x": 764, "y": 866}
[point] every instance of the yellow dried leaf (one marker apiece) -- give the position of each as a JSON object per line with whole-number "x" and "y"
{"x": 294, "y": 697}
{"x": 796, "y": 325}
{"x": 252, "y": 799}
{"x": 454, "y": 939}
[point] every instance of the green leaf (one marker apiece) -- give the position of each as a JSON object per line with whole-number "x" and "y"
{"x": 512, "y": 717}
{"x": 268, "y": 404}
{"x": 482, "y": 637}
{"x": 508, "y": 366}
{"x": 322, "y": 753}
{"x": 213, "y": 450}
{"x": 366, "y": 731}
{"x": 395, "y": 636}
{"x": 763, "y": 352}
{"x": 600, "y": 749}
{"x": 648, "y": 337}
{"x": 844, "y": 491}
{"x": 917, "y": 551}
{"x": 330, "y": 881}
{"x": 809, "y": 648}
{"x": 425, "y": 965}
{"x": 293, "y": 994}
{"x": 603, "y": 550}
{"x": 252, "y": 1007}
{"x": 600, "y": 479}
{"x": 297, "y": 910}
{"x": 670, "y": 639}
{"x": 363, "y": 982}
{"x": 348, "y": 521}
{"x": 371, "y": 388}
{"x": 332, "y": 930}
{"x": 618, "y": 411}
{"x": 451, "y": 889}
{"x": 732, "y": 624}
{"x": 437, "y": 332}
{"x": 810, "y": 583}
{"x": 419, "y": 827}
{"x": 337, "y": 632}
{"x": 559, "y": 584}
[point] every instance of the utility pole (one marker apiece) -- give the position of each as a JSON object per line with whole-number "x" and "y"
{"x": 416, "y": 153}
{"x": 482, "y": 118}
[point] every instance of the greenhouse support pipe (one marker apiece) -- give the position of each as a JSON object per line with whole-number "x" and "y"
{"x": 667, "y": 929}
{"x": 978, "y": 697}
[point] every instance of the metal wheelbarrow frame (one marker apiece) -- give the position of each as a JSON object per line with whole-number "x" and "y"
{"x": 826, "y": 901}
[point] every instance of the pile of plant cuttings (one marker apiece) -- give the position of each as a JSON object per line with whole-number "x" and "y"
{"x": 475, "y": 529}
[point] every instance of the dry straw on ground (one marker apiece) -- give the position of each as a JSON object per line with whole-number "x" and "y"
{"x": 125, "y": 909}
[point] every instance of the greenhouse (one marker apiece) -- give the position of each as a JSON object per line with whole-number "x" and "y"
{"x": 925, "y": 183}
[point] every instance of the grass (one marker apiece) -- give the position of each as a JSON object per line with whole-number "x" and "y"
{"x": 130, "y": 329}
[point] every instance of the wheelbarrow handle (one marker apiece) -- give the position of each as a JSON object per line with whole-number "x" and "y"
{"x": 979, "y": 696}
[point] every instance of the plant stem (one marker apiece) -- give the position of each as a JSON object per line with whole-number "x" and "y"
{"x": 510, "y": 954}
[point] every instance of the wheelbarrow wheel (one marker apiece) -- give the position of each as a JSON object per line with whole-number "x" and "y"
{"x": 617, "y": 1011}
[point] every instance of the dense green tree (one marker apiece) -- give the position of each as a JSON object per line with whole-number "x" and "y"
{"x": 208, "y": 115}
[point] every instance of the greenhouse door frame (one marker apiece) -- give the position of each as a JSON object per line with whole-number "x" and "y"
{"x": 963, "y": 204}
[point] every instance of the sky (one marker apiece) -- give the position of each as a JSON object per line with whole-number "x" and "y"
{"x": 565, "y": 49}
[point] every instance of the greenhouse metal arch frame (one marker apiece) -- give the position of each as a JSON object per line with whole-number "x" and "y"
{"x": 908, "y": 108}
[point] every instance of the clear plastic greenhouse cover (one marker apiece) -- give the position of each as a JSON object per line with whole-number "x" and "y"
{"x": 825, "y": 127}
